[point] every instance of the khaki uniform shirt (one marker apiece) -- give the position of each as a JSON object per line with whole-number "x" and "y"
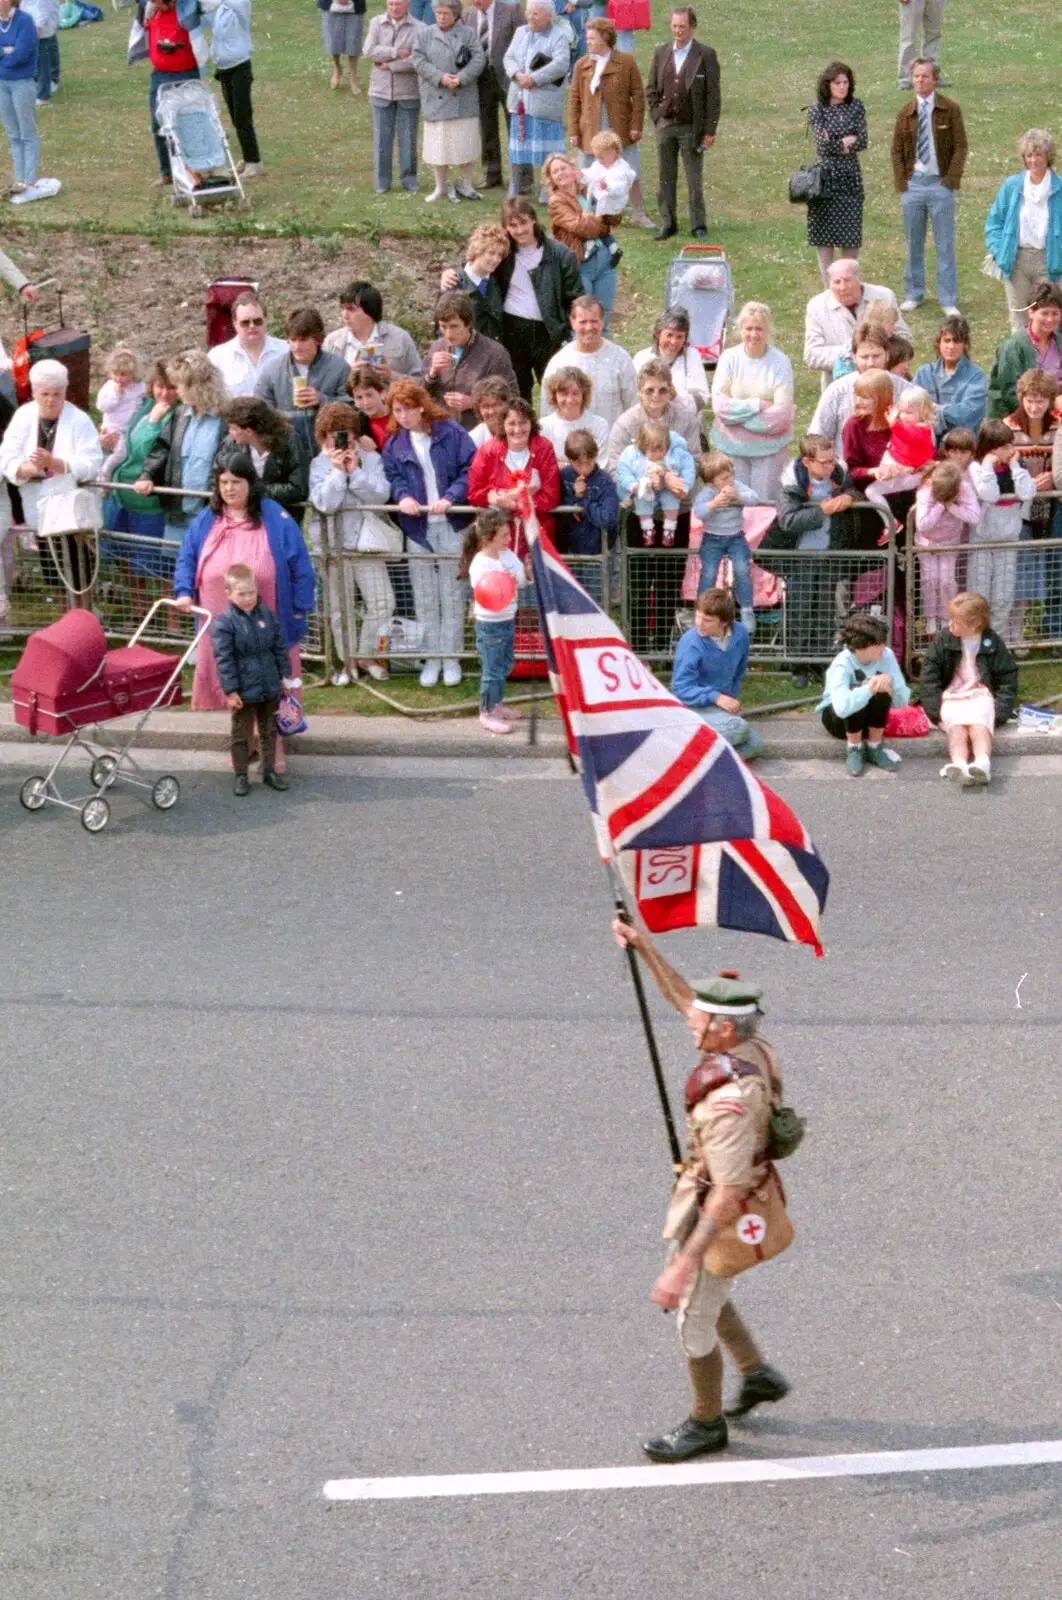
{"x": 726, "y": 1132}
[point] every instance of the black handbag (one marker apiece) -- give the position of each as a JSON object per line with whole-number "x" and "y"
{"x": 807, "y": 183}
{"x": 462, "y": 58}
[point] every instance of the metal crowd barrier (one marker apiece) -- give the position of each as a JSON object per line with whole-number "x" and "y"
{"x": 365, "y": 604}
{"x": 1020, "y": 578}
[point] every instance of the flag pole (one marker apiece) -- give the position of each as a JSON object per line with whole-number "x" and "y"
{"x": 650, "y": 1036}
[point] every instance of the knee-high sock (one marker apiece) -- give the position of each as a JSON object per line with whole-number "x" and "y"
{"x": 706, "y": 1380}
{"x": 740, "y": 1344}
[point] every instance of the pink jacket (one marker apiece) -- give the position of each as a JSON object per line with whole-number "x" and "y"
{"x": 946, "y": 525}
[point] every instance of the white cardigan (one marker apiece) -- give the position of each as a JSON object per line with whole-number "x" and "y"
{"x": 76, "y": 442}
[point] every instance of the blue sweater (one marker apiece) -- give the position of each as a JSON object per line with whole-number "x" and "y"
{"x": 1002, "y": 225}
{"x": 21, "y": 39}
{"x": 706, "y": 668}
{"x": 600, "y": 518}
{"x": 296, "y": 582}
{"x": 845, "y": 687}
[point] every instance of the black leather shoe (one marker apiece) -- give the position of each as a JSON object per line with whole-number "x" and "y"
{"x": 766, "y": 1384}
{"x": 691, "y": 1438}
{"x": 699, "y": 233}
{"x": 664, "y": 233}
{"x": 240, "y": 785}
{"x": 275, "y": 780}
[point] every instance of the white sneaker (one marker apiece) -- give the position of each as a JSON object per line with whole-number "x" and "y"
{"x": 957, "y": 771}
{"x": 452, "y": 674}
{"x": 951, "y": 311}
{"x": 251, "y": 169}
{"x": 981, "y": 770}
{"x": 340, "y": 679}
{"x": 910, "y": 305}
{"x": 430, "y": 675}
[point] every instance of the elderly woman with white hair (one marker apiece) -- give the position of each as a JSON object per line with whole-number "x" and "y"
{"x": 537, "y": 62}
{"x": 448, "y": 59}
{"x": 1023, "y": 230}
{"x": 752, "y": 402}
{"x": 49, "y": 444}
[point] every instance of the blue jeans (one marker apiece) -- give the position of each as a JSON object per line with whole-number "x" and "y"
{"x": 496, "y": 642}
{"x": 662, "y": 500}
{"x": 735, "y": 730}
{"x": 388, "y": 118}
{"x": 159, "y": 80}
{"x": 600, "y": 278}
{"x": 735, "y": 549}
{"x": 924, "y": 201}
{"x": 18, "y": 113}
{"x": 47, "y": 66}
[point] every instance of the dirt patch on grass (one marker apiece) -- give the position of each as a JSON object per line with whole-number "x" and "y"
{"x": 126, "y": 288}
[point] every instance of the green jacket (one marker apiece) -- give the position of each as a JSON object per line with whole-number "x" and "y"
{"x": 1013, "y": 357}
{"x": 141, "y": 434}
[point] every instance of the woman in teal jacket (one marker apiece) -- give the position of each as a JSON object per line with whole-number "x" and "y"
{"x": 1023, "y": 230}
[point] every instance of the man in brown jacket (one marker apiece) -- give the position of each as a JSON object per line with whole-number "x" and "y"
{"x": 928, "y": 155}
{"x": 455, "y": 363}
{"x": 607, "y": 81}
{"x": 683, "y": 95}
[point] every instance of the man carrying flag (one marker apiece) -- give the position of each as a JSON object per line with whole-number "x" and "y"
{"x": 727, "y": 1209}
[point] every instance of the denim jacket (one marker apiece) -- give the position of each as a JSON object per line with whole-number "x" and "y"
{"x": 961, "y": 399}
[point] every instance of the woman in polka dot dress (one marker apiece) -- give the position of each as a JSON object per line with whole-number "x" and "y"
{"x": 838, "y": 124}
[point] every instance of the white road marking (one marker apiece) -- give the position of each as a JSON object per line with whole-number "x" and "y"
{"x": 968, "y": 1458}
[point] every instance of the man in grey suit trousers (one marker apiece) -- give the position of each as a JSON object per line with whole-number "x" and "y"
{"x": 495, "y": 21}
{"x": 682, "y": 93}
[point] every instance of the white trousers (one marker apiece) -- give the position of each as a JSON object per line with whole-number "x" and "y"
{"x": 342, "y": 578}
{"x": 762, "y": 474}
{"x": 437, "y": 593}
{"x": 994, "y": 574}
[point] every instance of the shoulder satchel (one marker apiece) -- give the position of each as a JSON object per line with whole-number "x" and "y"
{"x": 807, "y": 183}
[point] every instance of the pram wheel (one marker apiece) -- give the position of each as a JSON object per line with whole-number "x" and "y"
{"x": 194, "y": 210}
{"x": 166, "y": 793}
{"x": 101, "y": 770}
{"x": 95, "y": 815}
{"x": 34, "y": 793}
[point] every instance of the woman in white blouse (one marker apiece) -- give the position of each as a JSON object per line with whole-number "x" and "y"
{"x": 1023, "y": 230}
{"x": 671, "y": 343}
{"x": 752, "y": 402}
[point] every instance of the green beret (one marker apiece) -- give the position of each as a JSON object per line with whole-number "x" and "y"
{"x": 728, "y": 996}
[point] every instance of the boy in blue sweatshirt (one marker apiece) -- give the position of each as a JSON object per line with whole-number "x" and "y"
{"x": 710, "y": 662}
{"x": 861, "y": 684}
{"x": 591, "y": 529}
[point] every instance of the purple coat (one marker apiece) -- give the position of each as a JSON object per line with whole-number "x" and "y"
{"x": 451, "y": 455}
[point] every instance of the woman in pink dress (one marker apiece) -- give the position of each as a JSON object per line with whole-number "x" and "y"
{"x": 240, "y": 526}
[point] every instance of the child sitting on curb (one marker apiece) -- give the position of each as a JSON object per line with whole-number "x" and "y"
{"x": 710, "y": 662}
{"x": 969, "y": 687}
{"x": 861, "y": 684}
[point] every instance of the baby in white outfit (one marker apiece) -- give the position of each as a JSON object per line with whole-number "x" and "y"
{"x": 608, "y": 180}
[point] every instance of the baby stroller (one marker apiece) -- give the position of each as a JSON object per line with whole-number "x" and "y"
{"x": 67, "y": 680}
{"x": 200, "y": 158}
{"x": 699, "y": 280}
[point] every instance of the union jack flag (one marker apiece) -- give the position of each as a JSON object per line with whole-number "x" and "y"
{"x": 694, "y": 835}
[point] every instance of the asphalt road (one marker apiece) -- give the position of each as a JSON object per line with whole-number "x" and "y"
{"x": 331, "y": 1151}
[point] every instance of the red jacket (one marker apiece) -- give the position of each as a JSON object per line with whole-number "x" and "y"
{"x": 165, "y": 26}
{"x": 488, "y": 471}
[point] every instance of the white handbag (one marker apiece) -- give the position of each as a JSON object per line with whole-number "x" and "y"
{"x": 64, "y": 508}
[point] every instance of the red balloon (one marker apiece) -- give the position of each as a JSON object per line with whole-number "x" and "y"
{"x": 495, "y": 591}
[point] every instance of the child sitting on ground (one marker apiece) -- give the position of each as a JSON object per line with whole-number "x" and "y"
{"x": 608, "y": 181}
{"x": 969, "y": 687}
{"x": 910, "y": 449}
{"x": 710, "y": 662}
{"x": 719, "y": 508}
{"x": 654, "y": 474}
{"x": 1003, "y": 488}
{"x": 946, "y": 508}
{"x": 593, "y": 528}
{"x": 861, "y": 684}
{"x": 488, "y": 548}
{"x": 252, "y": 662}
{"x": 119, "y": 396}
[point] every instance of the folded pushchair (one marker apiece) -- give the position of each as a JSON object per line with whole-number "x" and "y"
{"x": 200, "y": 158}
{"x": 68, "y": 680}
{"x": 699, "y": 280}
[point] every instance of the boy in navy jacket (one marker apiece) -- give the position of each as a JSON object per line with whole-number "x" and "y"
{"x": 252, "y": 663}
{"x": 592, "y": 529}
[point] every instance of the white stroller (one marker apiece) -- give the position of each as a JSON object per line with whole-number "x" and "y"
{"x": 699, "y": 280}
{"x": 200, "y": 158}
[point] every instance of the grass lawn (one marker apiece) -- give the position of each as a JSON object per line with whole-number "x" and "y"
{"x": 317, "y": 149}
